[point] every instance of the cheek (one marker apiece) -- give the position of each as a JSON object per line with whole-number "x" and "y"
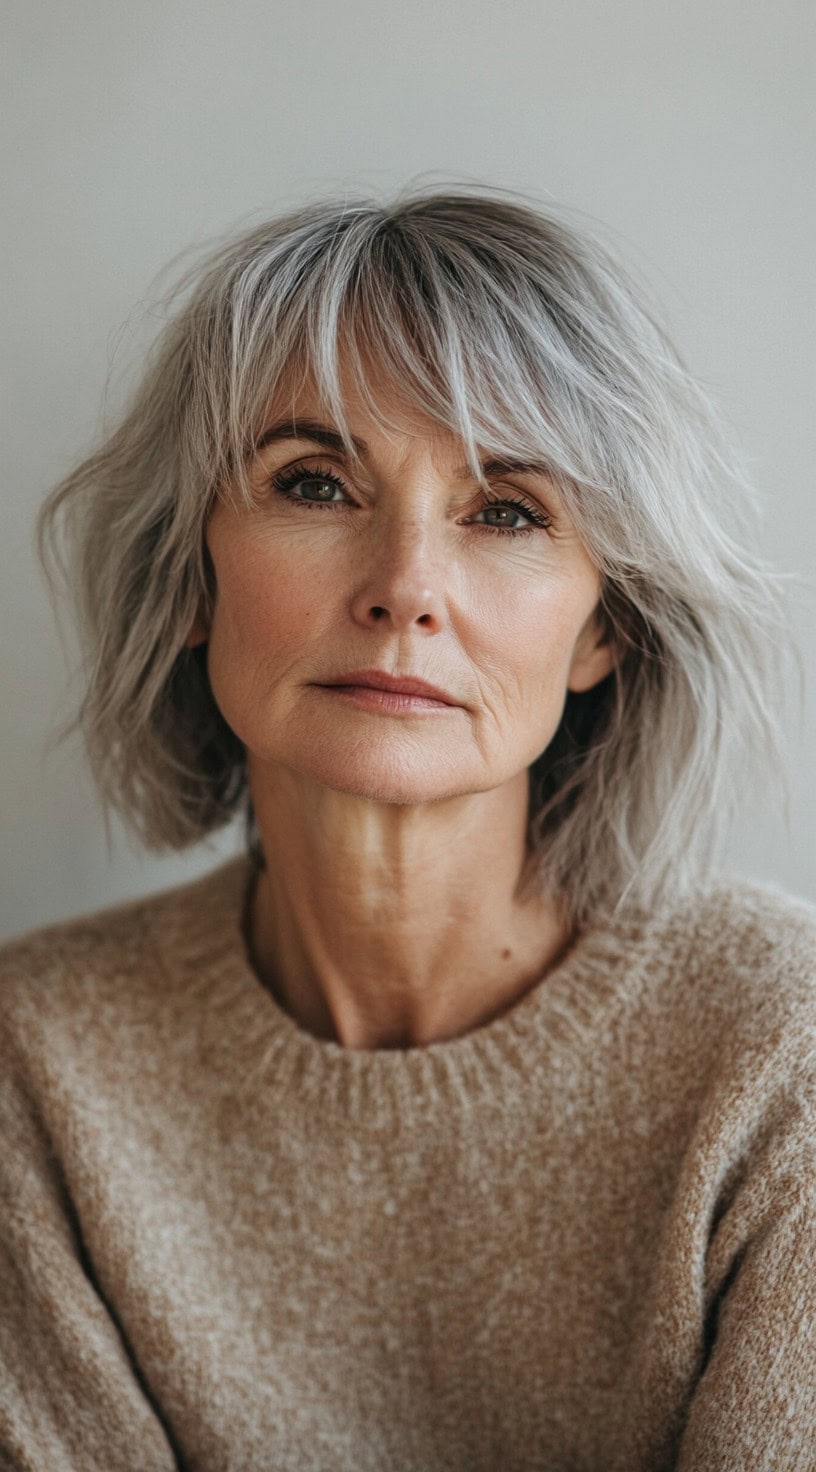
{"x": 265, "y": 602}
{"x": 525, "y": 632}
{"x": 268, "y": 612}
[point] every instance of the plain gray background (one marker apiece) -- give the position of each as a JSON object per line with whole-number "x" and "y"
{"x": 136, "y": 130}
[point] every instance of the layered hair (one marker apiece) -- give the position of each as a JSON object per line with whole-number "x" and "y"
{"x": 523, "y": 336}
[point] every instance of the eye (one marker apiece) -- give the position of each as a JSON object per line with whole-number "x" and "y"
{"x": 506, "y": 514}
{"x": 320, "y": 487}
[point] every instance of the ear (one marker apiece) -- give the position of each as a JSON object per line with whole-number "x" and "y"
{"x": 199, "y": 632}
{"x": 593, "y": 658}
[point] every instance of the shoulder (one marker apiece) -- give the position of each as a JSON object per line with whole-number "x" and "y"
{"x": 739, "y": 967}
{"x": 729, "y": 920}
{"x": 728, "y": 924}
{"x": 749, "y": 907}
{"x": 73, "y": 963}
{"x": 755, "y": 929}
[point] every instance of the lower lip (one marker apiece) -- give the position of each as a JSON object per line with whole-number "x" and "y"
{"x": 369, "y": 698}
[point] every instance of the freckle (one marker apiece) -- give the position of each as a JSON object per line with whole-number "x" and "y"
{"x": 506, "y": 954}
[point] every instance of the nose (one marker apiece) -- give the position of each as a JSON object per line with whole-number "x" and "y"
{"x": 402, "y": 586}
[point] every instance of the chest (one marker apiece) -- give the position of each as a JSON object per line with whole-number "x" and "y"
{"x": 300, "y": 1301}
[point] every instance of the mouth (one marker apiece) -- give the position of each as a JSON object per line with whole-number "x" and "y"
{"x": 405, "y": 690}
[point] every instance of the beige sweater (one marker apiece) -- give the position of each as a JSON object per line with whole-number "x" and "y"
{"x": 581, "y": 1238}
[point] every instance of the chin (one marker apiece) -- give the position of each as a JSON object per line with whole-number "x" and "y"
{"x": 404, "y": 784}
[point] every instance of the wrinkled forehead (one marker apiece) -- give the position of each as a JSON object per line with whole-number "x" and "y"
{"x": 386, "y": 414}
{"x": 364, "y": 407}
{"x": 367, "y": 394}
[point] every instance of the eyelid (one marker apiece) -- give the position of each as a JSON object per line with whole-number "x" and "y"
{"x": 308, "y": 472}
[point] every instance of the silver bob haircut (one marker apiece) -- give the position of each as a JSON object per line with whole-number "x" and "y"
{"x": 521, "y": 335}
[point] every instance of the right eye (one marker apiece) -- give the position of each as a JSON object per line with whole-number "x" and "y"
{"x": 321, "y": 486}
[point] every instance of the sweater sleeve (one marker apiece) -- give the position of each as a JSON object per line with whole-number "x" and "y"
{"x": 69, "y": 1396}
{"x": 754, "y": 1407}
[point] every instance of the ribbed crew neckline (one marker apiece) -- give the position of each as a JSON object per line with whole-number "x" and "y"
{"x": 201, "y": 926}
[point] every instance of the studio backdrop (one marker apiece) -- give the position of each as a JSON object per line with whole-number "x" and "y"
{"x": 681, "y": 133}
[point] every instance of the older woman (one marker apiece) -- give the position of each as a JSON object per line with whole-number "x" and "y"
{"x": 465, "y": 1121}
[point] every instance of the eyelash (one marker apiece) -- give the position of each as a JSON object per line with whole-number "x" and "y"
{"x": 286, "y": 480}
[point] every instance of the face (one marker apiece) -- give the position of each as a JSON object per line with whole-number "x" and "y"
{"x": 400, "y": 564}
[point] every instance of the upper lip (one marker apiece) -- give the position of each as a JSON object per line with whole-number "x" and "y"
{"x": 397, "y": 684}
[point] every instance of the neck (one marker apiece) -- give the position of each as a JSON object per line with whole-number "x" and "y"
{"x": 381, "y": 926}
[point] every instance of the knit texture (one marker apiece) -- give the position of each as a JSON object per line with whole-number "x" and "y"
{"x": 581, "y": 1238}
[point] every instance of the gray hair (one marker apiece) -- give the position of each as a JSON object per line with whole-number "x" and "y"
{"x": 522, "y": 335}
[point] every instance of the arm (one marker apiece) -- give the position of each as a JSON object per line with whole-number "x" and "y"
{"x": 754, "y": 1408}
{"x": 69, "y": 1395}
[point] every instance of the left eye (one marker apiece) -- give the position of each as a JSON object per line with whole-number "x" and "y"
{"x": 318, "y": 490}
{"x": 505, "y": 514}
{"x": 508, "y": 516}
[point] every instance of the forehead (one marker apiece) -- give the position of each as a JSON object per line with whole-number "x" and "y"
{"x": 374, "y": 407}
{"x": 382, "y": 420}
{"x": 377, "y": 405}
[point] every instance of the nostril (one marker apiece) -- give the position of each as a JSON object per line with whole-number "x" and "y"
{"x": 377, "y": 612}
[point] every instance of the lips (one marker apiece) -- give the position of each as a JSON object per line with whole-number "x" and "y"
{"x": 394, "y": 684}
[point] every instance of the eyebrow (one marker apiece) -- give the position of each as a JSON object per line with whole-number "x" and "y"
{"x": 330, "y": 439}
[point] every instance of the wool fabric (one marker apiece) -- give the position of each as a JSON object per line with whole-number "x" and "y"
{"x": 579, "y": 1238}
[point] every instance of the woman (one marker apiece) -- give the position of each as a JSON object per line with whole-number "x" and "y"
{"x": 465, "y": 1121}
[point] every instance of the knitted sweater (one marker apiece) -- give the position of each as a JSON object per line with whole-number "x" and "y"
{"x": 580, "y": 1238}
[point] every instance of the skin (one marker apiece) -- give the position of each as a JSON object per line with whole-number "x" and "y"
{"x": 390, "y": 914}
